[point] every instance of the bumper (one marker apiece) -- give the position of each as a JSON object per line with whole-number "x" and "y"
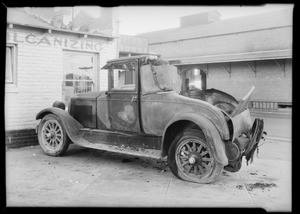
{"x": 247, "y": 141}
{"x": 256, "y": 134}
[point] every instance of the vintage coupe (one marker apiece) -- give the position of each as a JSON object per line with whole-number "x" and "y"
{"x": 143, "y": 113}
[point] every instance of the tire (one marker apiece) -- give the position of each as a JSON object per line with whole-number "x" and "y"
{"x": 196, "y": 163}
{"x": 52, "y": 137}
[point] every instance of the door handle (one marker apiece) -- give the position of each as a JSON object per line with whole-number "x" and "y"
{"x": 134, "y": 99}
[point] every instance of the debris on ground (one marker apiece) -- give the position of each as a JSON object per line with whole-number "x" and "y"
{"x": 126, "y": 160}
{"x": 258, "y": 185}
{"x": 253, "y": 173}
{"x": 239, "y": 186}
{"x": 225, "y": 173}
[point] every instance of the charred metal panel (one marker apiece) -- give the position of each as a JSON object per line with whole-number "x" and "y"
{"x": 158, "y": 109}
{"x": 122, "y": 140}
{"x": 83, "y": 108}
{"x": 244, "y": 103}
{"x": 241, "y": 123}
{"x": 215, "y": 97}
{"x": 159, "y": 104}
{"x": 103, "y": 121}
{"x": 84, "y": 111}
{"x": 123, "y": 111}
{"x": 84, "y": 114}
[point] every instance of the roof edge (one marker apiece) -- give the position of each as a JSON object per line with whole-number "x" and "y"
{"x": 63, "y": 30}
{"x": 236, "y": 57}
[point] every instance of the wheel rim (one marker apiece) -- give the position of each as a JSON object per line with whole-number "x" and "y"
{"x": 194, "y": 159}
{"x": 52, "y": 134}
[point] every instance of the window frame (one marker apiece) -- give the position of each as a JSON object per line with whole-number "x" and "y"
{"x": 14, "y": 65}
{"x": 111, "y": 77}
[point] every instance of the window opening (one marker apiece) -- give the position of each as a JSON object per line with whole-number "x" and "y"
{"x": 195, "y": 79}
{"x": 123, "y": 76}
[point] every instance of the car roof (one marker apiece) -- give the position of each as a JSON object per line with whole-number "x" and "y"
{"x": 109, "y": 62}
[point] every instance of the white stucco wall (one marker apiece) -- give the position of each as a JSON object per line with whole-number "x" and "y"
{"x": 39, "y": 71}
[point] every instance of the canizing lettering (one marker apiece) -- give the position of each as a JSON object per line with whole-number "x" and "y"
{"x": 34, "y": 39}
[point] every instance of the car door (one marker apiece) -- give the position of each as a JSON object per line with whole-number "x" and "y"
{"x": 122, "y": 96}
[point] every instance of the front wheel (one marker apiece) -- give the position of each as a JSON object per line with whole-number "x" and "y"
{"x": 51, "y": 135}
{"x": 191, "y": 158}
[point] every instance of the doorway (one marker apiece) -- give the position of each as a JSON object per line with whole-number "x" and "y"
{"x": 79, "y": 74}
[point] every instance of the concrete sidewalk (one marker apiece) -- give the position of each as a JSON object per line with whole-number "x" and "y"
{"x": 87, "y": 177}
{"x": 278, "y": 124}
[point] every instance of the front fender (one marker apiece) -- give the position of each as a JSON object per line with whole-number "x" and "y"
{"x": 70, "y": 125}
{"x": 210, "y": 132}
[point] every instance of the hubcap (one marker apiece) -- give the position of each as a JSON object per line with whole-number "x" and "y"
{"x": 52, "y": 134}
{"x": 194, "y": 158}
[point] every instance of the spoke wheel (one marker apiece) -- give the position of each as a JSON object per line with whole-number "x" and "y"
{"x": 52, "y": 136}
{"x": 191, "y": 158}
{"x": 52, "y": 133}
{"x": 194, "y": 158}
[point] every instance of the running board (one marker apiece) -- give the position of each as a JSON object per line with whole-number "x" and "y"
{"x": 151, "y": 153}
{"x": 130, "y": 144}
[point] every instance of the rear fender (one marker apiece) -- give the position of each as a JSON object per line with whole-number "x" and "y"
{"x": 70, "y": 125}
{"x": 210, "y": 132}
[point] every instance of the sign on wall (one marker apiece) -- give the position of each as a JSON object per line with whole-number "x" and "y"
{"x": 54, "y": 41}
{"x": 133, "y": 44}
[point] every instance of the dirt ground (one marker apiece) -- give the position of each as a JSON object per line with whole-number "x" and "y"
{"x": 93, "y": 178}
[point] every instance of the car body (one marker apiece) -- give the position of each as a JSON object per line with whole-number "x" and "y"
{"x": 143, "y": 113}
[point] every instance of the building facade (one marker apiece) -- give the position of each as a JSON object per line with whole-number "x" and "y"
{"x": 235, "y": 54}
{"x": 132, "y": 45}
{"x": 47, "y": 63}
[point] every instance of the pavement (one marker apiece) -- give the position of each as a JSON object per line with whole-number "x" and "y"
{"x": 278, "y": 124}
{"x": 92, "y": 178}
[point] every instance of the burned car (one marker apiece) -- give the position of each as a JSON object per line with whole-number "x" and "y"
{"x": 143, "y": 113}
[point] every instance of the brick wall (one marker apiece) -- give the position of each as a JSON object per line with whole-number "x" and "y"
{"x": 40, "y": 76}
{"x": 38, "y": 83}
{"x": 18, "y": 138}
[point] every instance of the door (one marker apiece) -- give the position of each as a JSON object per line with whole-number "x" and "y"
{"x": 79, "y": 73}
{"x": 122, "y": 96}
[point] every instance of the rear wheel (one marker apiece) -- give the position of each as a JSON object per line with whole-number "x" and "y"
{"x": 191, "y": 158}
{"x": 52, "y": 136}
